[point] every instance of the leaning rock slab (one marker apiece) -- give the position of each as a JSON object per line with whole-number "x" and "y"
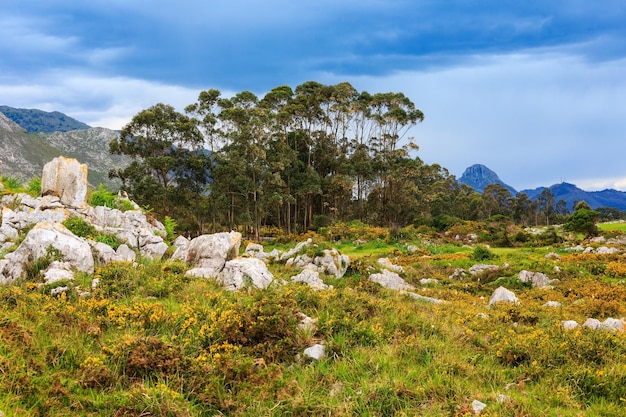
{"x": 65, "y": 178}
{"x": 238, "y": 272}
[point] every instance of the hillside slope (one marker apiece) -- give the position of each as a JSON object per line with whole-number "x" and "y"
{"x": 24, "y": 154}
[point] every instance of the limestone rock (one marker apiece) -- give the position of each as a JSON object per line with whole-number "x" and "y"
{"x": 479, "y": 268}
{"x": 537, "y": 279}
{"x": 43, "y": 236}
{"x": 311, "y": 278}
{"x": 315, "y": 352}
{"x": 391, "y": 280}
{"x": 501, "y": 294}
{"x": 238, "y": 272}
{"x": 65, "y": 178}
{"x": 478, "y": 406}
{"x": 209, "y": 253}
{"x": 426, "y": 299}
{"x": 387, "y": 264}
{"x": 58, "y": 271}
{"x": 608, "y": 324}
{"x": 569, "y": 324}
{"x": 552, "y": 304}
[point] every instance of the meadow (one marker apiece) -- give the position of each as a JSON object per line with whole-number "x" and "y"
{"x": 151, "y": 341}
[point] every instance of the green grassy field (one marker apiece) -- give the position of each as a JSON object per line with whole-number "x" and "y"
{"x": 613, "y": 226}
{"x": 151, "y": 341}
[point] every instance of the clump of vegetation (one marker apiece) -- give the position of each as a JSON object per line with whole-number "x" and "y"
{"x": 81, "y": 228}
{"x": 482, "y": 253}
{"x": 103, "y": 197}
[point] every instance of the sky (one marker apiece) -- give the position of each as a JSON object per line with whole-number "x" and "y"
{"x": 535, "y": 90}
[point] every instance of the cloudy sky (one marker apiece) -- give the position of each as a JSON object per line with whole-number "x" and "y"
{"x": 534, "y": 89}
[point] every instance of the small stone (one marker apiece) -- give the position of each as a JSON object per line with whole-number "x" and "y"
{"x": 478, "y": 406}
{"x": 316, "y": 352}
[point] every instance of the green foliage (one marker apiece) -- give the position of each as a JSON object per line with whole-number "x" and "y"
{"x": 34, "y": 187}
{"x": 481, "y": 253}
{"x": 170, "y": 228}
{"x": 80, "y": 227}
{"x": 582, "y": 220}
{"x": 103, "y": 197}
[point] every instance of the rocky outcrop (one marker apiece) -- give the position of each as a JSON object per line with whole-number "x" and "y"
{"x": 241, "y": 271}
{"x": 209, "y": 253}
{"x": 41, "y": 219}
{"x": 391, "y": 280}
{"x": 39, "y": 242}
{"x": 65, "y": 178}
{"x": 537, "y": 279}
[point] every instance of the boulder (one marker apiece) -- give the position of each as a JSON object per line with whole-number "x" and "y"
{"x": 209, "y": 253}
{"x": 503, "y": 295}
{"x": 426, "y": 299}
{"x": 331, "y": 262}
{"x": 386, "y": 263}
{"x": 552, "y": 304}
{"x": 608, "y": 324}
{"x": 311, "y": 278}
{"x": 479, "y": 268}
{"x": 58, "y": 271}
{"x": 65, "y": 178}
{"x": 37, "y": 243}
{"x": 238, "y": 272}
{"x": 537, "y": 279}
{"x": 569, "y": 324}
{"x": 391, "y": 280}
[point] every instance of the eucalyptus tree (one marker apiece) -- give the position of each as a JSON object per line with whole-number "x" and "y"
{"x": 168, "y": 159}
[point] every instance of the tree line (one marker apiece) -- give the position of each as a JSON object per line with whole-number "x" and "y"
{"x": 298, "y": 159}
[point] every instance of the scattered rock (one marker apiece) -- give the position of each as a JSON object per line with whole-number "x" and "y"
{"x": 315, "y": 352}
{"x": 501, "y": 294}
{"x": 386, "y": 263}
{"x": 238, "y": 272}
{"x": 569, "y": 324}
{"x": 537, "y": 279}
{"x": 311, "y": 278}
{"x": 478, "y": 407}
{"x": 429, "y": 281}
{"x": 608, "y": 324}
{"x": 424, "y": 298}
{"x": 552, "y": 304}
{"x": 391, "y": 280}
{"x": 553, "y": 256}
{"x": 479, "y": 268}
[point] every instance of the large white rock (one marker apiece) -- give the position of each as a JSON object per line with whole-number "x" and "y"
{"x": 537, "y": 279}
{"x": 311, "y": 278}
{"x": 238, "y": 272}
{"x": 43, "y": 236}
{"x": 209, "y": 253}
{"x": 391, "y": 280}
{"x": 65, "y": 178}
{"x": 503, "y": 295}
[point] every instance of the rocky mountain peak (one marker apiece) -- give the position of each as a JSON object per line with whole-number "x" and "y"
{"x": 479, "y": 176}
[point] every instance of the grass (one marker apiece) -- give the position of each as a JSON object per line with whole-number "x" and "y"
{"x": 613, "y": 226}
{"x": 152, "y": 341}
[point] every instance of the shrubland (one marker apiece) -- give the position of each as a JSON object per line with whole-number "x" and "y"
{"x": 152, "y": 341}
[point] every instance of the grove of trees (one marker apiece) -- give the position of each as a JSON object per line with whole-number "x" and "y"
{"x": 298, "y": 159}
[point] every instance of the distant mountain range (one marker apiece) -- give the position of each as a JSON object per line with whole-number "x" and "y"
{"x": 24, "y": 154}
{"x": 479, "y": 176}
{"x": 34, "y": 120}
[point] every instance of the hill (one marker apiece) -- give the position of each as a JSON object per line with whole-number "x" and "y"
{"x": 479, "y": 176}
{"x": 34, "y": 120}
{"x": 24, "y": 154}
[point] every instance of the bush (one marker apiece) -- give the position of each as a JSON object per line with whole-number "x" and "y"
{"x": 481, "y": 253}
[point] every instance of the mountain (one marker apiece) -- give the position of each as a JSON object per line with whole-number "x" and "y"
{"x": 24, "y": 154}
{"x": 479, "y": 176}
{"x": 33, "y": 120}
{"x": 571, "y": 194}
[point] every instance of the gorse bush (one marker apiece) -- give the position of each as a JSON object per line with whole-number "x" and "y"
{"x": 481, "y": 253}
